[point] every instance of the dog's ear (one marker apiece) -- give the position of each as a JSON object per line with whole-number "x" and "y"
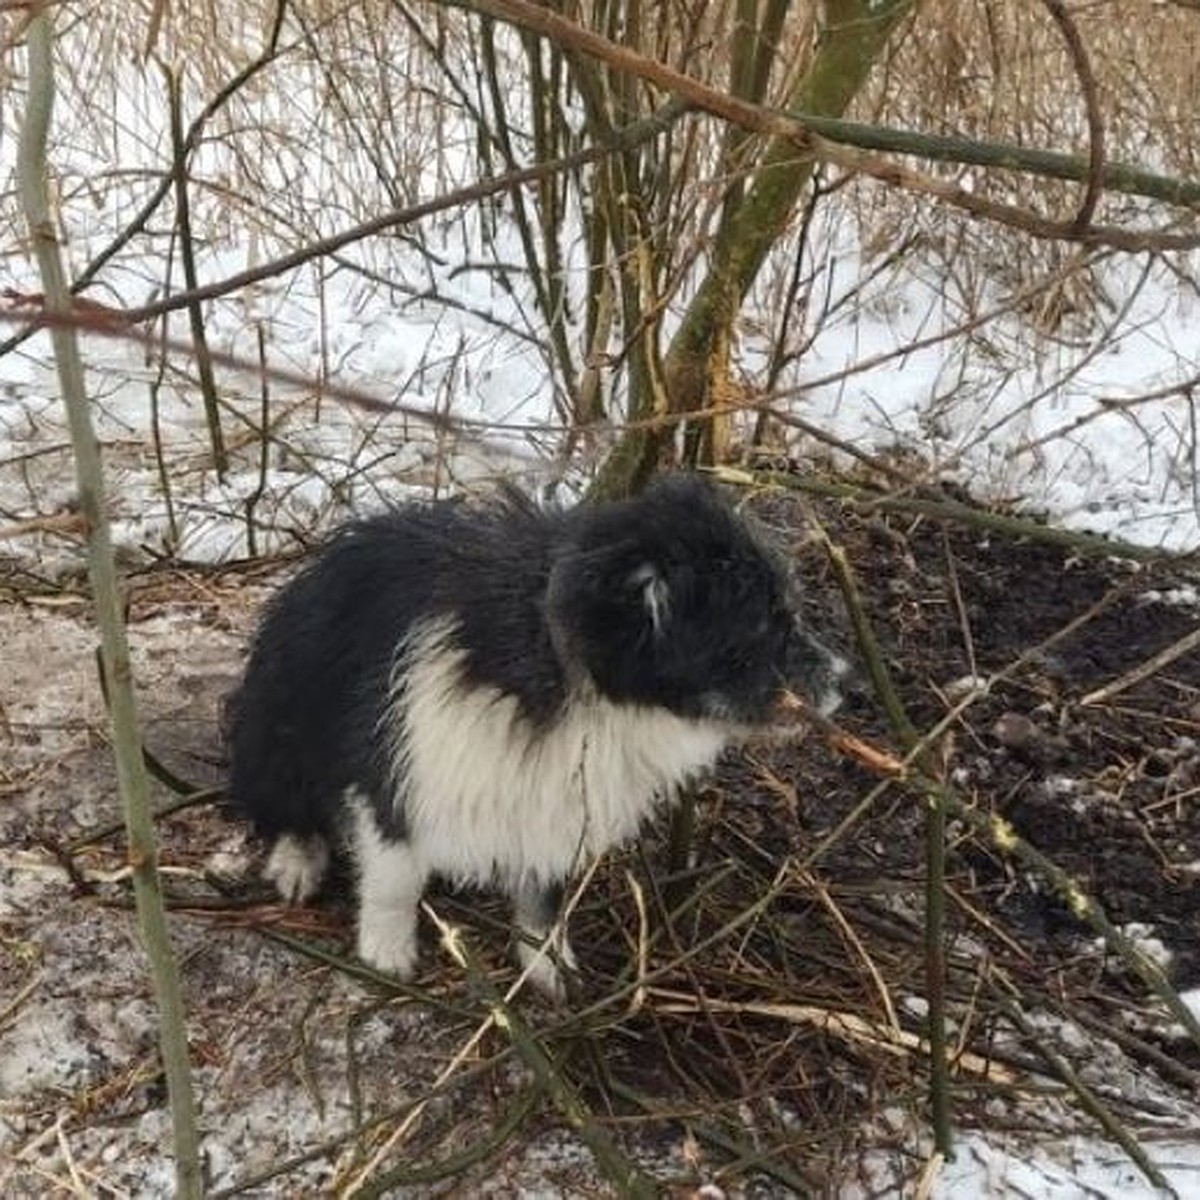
{"x": 655, "y": 594}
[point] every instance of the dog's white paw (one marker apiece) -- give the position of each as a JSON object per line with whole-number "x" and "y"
{"x": 542, "y": 972}
{"x": 297, "y": 866}
{"x": 387, "y": 948}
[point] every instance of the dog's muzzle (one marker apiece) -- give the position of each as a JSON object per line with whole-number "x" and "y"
{"x": 816, "y": 673}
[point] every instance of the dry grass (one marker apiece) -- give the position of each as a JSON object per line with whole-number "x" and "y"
{"x": 1003, "y": 72}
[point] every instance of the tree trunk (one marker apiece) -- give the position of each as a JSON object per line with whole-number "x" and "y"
{"x": 696, "y": 365}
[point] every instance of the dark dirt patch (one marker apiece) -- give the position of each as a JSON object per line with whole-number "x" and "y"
{"x": 1108, "y": 791}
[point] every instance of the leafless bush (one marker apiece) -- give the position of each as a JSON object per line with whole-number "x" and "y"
{"x": 572, "y": 288}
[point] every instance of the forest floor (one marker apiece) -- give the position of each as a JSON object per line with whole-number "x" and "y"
{"x": 766, "y": 1040}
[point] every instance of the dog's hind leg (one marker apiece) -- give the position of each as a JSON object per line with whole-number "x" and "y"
{"x": 542, "y": 948}
{"x": 391, "y": 878}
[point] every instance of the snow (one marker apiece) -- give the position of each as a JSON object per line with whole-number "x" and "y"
{"x": 1062, "y": 1169}
{"x": 1192, "y": 1000}
{"x": 1143, "y": 939}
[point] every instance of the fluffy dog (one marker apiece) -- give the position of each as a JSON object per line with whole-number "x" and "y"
{"x": 495, "y": 693}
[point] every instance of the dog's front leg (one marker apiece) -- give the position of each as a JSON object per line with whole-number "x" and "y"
{"x": 391, "y": 878}
{"x": 543, "y": 949}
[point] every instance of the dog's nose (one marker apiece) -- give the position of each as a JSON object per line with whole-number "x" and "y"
{"x": 820, "y": 674}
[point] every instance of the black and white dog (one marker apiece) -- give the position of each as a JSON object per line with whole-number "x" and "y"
{"x": 496, "y": 693}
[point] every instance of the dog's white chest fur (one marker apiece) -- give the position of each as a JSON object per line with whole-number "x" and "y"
{"x": 487, "y": 796}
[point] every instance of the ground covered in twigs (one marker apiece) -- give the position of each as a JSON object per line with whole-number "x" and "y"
{"x": 766, "y": 1039}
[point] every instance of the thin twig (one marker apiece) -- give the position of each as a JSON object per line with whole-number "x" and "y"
{"x": 1142, "y": 672}
{"x": 187, "y": 255}
{"x": 162, "y": 190}
{"x": 1086, "y": 1097}
{"x": 1001, "y": 836}
{"x": 800, "y": 1182}
{"x": 807, "y": 141}
{"x": 630, "y": 135}
{"x": 866, "y": 499}
{"x": 410, "y": 1174}
{"x": 619, "y": 1171}
{"x": 1095, "y": 115}
{"x": 935, "y": 846}
{"x": 847, "y": 931}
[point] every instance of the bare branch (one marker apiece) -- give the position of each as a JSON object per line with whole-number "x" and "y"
{"x": 809, "y": 142}
{"x": 1095, "y": 118}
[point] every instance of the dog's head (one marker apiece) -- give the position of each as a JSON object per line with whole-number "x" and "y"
{"x": 669, "y": 599}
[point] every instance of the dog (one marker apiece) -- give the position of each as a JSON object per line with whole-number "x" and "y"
{"x": 495, "y": 693}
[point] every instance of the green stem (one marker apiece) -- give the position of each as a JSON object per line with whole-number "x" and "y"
{"x": 935, "y": 849}
{"x": 127, "y": 744}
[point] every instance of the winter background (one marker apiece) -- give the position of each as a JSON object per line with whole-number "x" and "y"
{"x": 1048, "y": 379}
